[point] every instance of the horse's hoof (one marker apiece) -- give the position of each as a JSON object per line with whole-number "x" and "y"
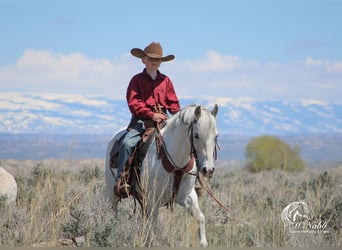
{"x": 204, "y": 243}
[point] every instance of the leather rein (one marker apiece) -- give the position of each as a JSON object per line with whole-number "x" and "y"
{"x": 171, "y": 167}
{"x": 168, "y": 163}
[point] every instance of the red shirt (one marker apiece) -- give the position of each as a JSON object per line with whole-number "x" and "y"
{"x": 144, "y": 93}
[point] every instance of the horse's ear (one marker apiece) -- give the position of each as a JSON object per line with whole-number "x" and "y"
{"x": 215, "y": 110}
{"x": 198, "y": 112}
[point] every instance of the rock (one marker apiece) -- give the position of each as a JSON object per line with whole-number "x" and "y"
{"x": 8, "y": 186}
{"x": 80, "y": 241}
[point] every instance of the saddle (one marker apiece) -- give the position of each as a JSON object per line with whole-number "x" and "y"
{"x": 131, "y": 173}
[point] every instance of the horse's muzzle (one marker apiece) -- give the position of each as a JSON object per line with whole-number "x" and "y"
{"x": 208, "y": 172}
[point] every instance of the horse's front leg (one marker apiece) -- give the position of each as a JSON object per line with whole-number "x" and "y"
{"x": 190, "y": 202}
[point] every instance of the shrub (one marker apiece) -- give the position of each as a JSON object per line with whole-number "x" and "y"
{"x": 269, "y": 153}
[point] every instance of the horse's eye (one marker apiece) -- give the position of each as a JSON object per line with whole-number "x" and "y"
{"x": 196, "y": 136}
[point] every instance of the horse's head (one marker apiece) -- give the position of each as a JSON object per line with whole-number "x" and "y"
{"x": 203, "y": 136}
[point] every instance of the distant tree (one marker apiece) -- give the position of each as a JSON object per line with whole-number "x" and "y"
{"x": 269, "y": 152}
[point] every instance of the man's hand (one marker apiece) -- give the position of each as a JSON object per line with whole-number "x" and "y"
{"x": 157, "y": 117}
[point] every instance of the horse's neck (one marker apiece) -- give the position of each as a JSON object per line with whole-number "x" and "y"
{"x": 178, "y": 145}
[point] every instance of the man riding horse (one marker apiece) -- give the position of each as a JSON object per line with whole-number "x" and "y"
{"x": 150, "y": 94}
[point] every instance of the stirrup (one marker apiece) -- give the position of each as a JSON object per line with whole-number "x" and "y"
{"x": 122, "y": 189}
{"x": 125, "y": 190}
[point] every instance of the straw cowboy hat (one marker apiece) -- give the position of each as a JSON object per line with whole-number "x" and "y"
{"x": 153, "y": 50}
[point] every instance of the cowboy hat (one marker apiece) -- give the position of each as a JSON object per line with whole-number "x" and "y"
{"x": 153, "y": 50}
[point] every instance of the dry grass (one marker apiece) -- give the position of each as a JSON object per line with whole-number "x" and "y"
{"x": 65, "y": 200}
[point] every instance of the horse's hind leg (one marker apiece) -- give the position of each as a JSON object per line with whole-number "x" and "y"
{"x": 191, "y": 204}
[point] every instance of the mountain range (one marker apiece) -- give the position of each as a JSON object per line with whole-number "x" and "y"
{"x": 41, "y": 125}
{"x": 76, "y": 114}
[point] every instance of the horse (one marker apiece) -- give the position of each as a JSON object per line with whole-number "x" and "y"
{"x": 190, "y": 133}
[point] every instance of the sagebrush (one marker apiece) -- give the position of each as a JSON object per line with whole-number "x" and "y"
{"x": 56, "y": 204}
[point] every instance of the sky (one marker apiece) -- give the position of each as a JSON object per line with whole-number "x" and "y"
{"x": 264, "y": 50}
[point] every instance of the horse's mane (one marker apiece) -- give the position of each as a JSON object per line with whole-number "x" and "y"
{"x": 187, "y": 115}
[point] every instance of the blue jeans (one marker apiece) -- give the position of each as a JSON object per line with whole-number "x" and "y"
{"x": 128, "y": 143}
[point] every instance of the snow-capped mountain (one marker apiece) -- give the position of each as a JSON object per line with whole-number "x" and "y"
{"x": 76, "y": 114}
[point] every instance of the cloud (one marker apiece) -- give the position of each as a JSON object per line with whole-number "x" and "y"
{"x": 46, "y": 71}
{"x": 335, "y": 67}
{"x": 328, "y": 66}
{"x": 311, "y": 61}
{"x": 214, "y": 62}
{"x": 309, "y": 102}
{"x": 306, "y": 79}
{"x": 70, "y": 98}
{"x": 217, "y": 75}
{"x": 307, "y": 44}
{"x": 18, "y": 101}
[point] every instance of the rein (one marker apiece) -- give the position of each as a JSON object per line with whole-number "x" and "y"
{"x": 168, "y": 163}
{"x": 210, "y": 192}
{"x": 171, "y": 167}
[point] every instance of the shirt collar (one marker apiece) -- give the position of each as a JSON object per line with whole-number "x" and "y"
{"x": 149, "y": 77}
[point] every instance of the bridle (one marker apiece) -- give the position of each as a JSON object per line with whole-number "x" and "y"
{"x": 193, "y": 149}
{"x": 169, "y": 165}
